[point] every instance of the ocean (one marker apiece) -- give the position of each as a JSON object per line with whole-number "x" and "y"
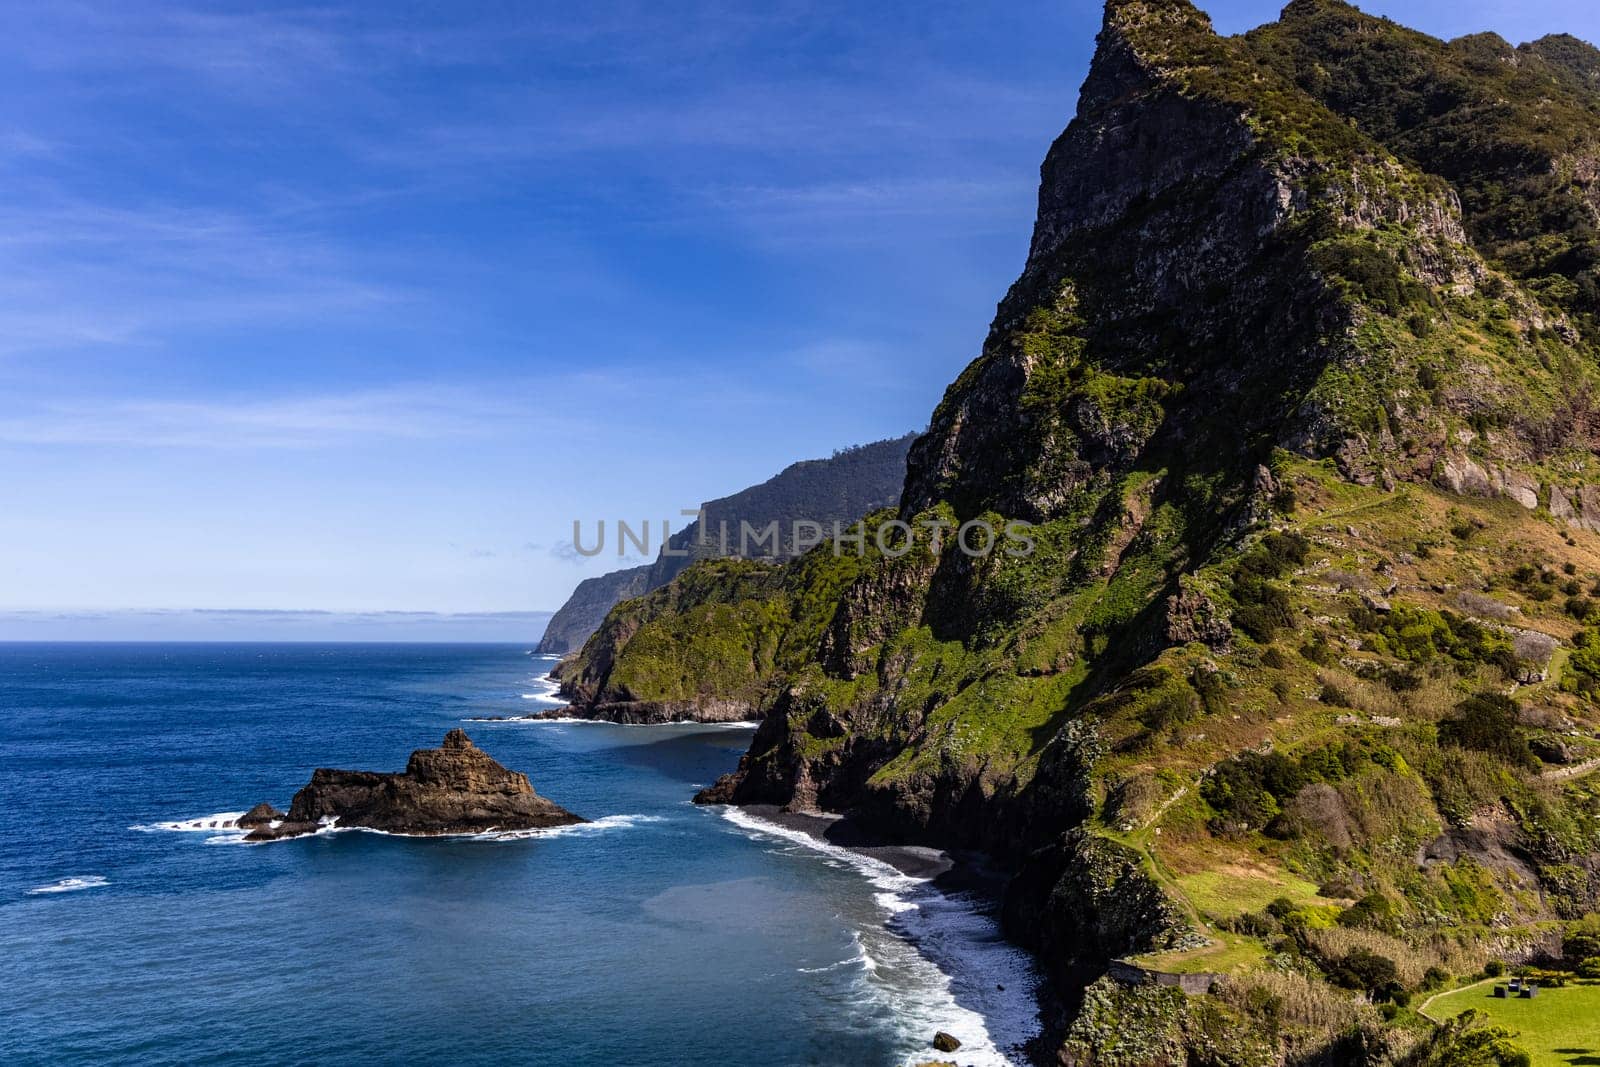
{"x": 131, "y": 931}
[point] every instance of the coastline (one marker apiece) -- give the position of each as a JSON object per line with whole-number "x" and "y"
{"x": 944, "y": 909}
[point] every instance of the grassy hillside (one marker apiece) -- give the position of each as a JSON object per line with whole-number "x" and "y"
{"x": 1299, "y": 689}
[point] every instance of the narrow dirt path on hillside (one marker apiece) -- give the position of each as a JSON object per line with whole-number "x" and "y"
{"x": 1577, "y": 770}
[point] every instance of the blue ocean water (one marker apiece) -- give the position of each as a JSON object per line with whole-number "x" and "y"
{"x": 663, "y": 934}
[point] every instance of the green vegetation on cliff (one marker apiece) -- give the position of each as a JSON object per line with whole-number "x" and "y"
{"x": 1299, "y": 689}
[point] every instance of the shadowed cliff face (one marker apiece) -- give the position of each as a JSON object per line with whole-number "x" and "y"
{"x": 1248, "y": 323}
{"x": 1221, "y": 266}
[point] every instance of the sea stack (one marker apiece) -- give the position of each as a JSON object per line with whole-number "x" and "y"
{"x": 456, "y": 788}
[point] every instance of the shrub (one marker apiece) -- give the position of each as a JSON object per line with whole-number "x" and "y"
{"x": 1318, "y": 651}
{"x": 1262, "y": 607}
{"x": 1494, "y": 968}
{"x": 1582, "y": 938}
{"x": 1465, "y": 1042}
{"x": 1333, "y": 696}
{"x": 1291, "y": 998}
{"x": 1590, "y": 968}
{"x": 1488, "y": 722}
{"x": 1367, "y": 971}
{"x": 1420, "y": 635}
{"x": 1373, "y": 911}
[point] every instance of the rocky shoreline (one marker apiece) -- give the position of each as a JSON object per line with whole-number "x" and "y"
{"x": 456, "y": 788}
{"x": 654, "y": 713}
{"x": 947, "y": 874}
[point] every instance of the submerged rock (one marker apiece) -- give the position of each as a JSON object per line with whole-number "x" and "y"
{"x": 454, "y": 789}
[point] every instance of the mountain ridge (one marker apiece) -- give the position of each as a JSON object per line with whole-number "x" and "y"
{"x": 1305, "y": 427}
{"x": 842, "y": 487}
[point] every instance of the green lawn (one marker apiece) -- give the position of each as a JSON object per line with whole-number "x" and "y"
{"x": 1560, "y": 1027}
{"x": 1228, "y": 954}
{"x": 1237, "y": 889}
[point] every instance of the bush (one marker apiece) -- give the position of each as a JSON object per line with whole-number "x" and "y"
{"x": 1488, "y": 722}
{"x": 1420, "y": 634}
{"x": 1466, "y": 1042}
{"x": 1582, "y": 938}
{"x": 1367, "y": 971}
{"x": 1590, "y": 968}
{"x": 1333, "y": 696}
{"x": 1494, "y": 968}
{"x": 1373, "y": 911}
{"x": 1263, "y": 608}
{"x": 1318, "y": 651}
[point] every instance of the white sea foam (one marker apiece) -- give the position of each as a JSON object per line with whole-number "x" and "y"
{"x": 224, "y": 829}
{"x": 70, "y": 885}
{"x": 221, "y": 821}
{"x": 862, "y": 958}
{"x": 572, "y": 720}
{"x": 937, "y": 961}
{"x": 577, "y": 829}
{"x": 544, "y": 691}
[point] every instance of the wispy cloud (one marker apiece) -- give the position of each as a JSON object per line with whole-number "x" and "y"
{"x": 76, "y": 272}
{"x": 311, "y": 421}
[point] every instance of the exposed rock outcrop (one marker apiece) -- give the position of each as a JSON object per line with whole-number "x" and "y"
{"x": 586, "y": 608}
{"x": 456, "y": 788}
{"x": 1246, "y": 306}
{"x": 655, "y": 712}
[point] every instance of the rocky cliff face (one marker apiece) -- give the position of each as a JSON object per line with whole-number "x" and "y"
{"x": 1303, "y": 426}
{"x": 586, "y": 608}
{"x": 456, "y": 788}
{"x": 841, "y": 488}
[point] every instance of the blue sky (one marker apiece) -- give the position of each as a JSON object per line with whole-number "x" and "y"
{"x": 355, "y": 307}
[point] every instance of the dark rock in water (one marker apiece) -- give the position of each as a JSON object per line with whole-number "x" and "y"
{"x": 454, "y": 789}
{"x": 260, "y": 815}
{"x": 945, "y": 1042}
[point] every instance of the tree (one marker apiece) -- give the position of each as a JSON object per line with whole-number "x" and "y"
{"x": 1582, "y": 938}
{"x": 1465, "y": 1042}
{"x": 1366, "y": 970}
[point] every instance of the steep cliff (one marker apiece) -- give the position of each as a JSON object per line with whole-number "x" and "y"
{"x": 841, "y": 488}
{"x": 586, "y": 608}
{"x": 1296, "y": 390}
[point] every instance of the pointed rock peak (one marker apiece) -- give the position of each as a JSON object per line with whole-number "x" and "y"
{"x": 1304, "y": 9}
{"x": 457, "y": 738}
{"x": 1129, "y": 17}
{"x": 1145, "y": 38}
